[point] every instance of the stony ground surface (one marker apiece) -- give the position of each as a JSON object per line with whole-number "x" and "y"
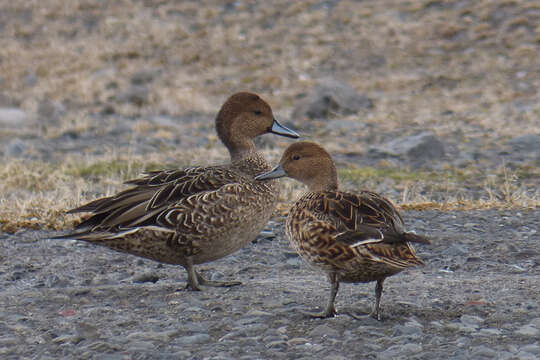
{"x": 477, "y": 298}
{"x": 423, "y": 101}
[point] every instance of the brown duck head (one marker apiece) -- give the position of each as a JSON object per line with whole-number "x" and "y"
{"x": 308, "y": 163}
{"x": 243, "y": 117}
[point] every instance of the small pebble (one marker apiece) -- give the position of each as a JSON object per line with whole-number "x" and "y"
{"x": 532, "y": 348}
{"x": 193, "y": 339}
{"x": 324, "y": 331}
{"x": 528, "y": 330}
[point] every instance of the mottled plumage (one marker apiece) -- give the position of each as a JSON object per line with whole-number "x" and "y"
{"x": 198, "y": 214}
{"x": 354, "y": 237}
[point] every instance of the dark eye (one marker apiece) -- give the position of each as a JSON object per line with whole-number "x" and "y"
{"x": 296, "y": 157}
{"x": 257, "y": 112}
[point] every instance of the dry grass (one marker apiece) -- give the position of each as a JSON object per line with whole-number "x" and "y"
{"x": 476, "y": 62}
{"x": 39, "y": 193}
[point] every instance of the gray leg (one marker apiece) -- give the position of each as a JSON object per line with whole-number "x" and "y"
{"x": 378, "y": 292}
{"x": 376, "y": 314}
{"x": 193, "y": 277}
{"x": 330, "y": 310}
{"x": 195, "y": 280}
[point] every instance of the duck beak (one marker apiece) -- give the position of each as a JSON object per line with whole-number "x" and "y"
{"x": 277, "y": 172}
{"x": 279, "y": 129}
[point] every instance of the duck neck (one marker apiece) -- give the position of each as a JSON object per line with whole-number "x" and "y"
{"x": 240, "y": 149}
{"x": 234, "y": 137}
{"x": 326, "y": 180}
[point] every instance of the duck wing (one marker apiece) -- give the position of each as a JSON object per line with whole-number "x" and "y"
{"x": 341, "y": 229}
{"x": 361, "y": 218}
{"x": 151, "y": 195}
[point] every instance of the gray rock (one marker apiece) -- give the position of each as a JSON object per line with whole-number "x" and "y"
{"x": 335, "y": 357}
{"x": 216, "y": 276}
{"x": 462, "y": 327}
{"x": 416, "y": 148}
{"x": 164, "y": 120}
{"x": 162, "y": 336}
{"x": 194, "y": 339}
{"x": 66, "y": 339}
{"x": 13, "y": 117}
{"x": 247, "y": 320}
{"x": 297, "y": 341}
{"x": 138, "y": 346}
{"x": 266, "y": 235}
{"x": 55, "y": 281}
{"x": 101, "y": 346}
{"x": 50, "y": 112}
{"x": 137, "y": 95}
{"x": 523, "y": 355}
{"x": 532, "y": 348}
{"x": 276, "y": 344}
{"x": 348, "y": 125}
{"x": 528, "y": 330}
{"x": 526, "y": 143}
{"x": 8, "y": 341}
{"x": 30, "y": 79}
{"x": 6, "y": 101}
{"x": 407, "y": 329}
{"x": 536, "y": 323}
{"x": 144, "y": 76}
{"x": 258, "y": 313}
{"x": 15, "y": 148}
{"x": 471, "y": 320}
{"x": 251, "y": 329}
{"x": 490, "y": 332}
{"x": 293, "y": 263}
{"x": 182, "y": 354}
{"x": 455, "y": 250}
{"x": 329, "y": 99}
{"x": 481, "y": 352}
{"x": 146, "y": 277}
{"x": 324, "y": 331}
{"x": 401, "y": 350}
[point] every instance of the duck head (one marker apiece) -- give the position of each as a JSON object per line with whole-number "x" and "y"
{"x": 243, "y": 117}
{"x": 308, "y": 163}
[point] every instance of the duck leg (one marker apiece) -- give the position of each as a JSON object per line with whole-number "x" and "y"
{"x": 195, "y": 280}
{"x": 375, "y": 313}
{"x": 378, "y": 292}
{"x": 330, "y": 310}
{"x": 214, "y": 283}
{"x": 193, "y": 276}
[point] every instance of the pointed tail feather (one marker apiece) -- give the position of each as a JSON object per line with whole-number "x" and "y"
{"x": 70, "y": 236}
{"x": 89, "y": 207}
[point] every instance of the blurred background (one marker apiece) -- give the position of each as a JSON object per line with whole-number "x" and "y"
{"x": 433, "y": 103}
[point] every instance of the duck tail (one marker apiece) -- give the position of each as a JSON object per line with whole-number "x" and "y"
{"x": 70, "y": 236}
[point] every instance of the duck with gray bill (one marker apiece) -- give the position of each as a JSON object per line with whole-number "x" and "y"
{"x": 197, "y": 214}
{"x": 353, "y": 237}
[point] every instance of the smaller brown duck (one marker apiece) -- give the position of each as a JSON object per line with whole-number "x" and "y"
{"x": 354, "y": 237}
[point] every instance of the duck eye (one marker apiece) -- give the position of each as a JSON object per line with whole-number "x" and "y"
{"x": 257, "y": 112}
{"x": 296, "y": 157}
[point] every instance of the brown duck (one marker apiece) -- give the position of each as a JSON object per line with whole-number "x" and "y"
{"x": 198, "y": 214}
{"x": 354, "y": 237}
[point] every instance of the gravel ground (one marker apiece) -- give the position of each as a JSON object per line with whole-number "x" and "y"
{"x": 477, "y": 298}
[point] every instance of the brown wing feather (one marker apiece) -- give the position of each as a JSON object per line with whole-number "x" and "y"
{"x": 152, "y": 194}
{"x": 353, "y": 212}
{"x": 336, "y": 228}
